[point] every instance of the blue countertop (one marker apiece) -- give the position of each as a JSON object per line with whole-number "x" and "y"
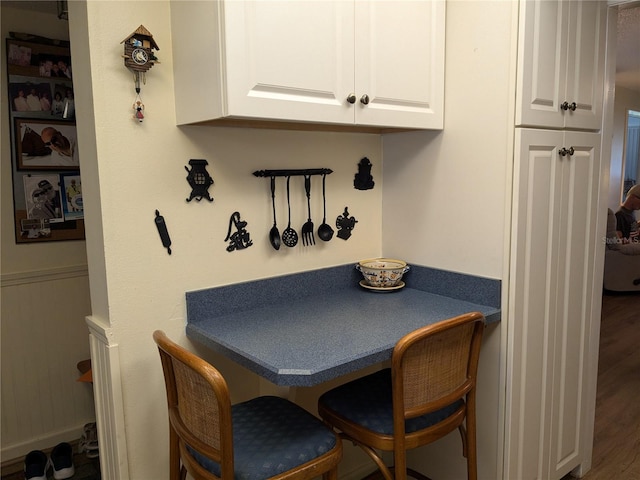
{"x": 307, "y": 328}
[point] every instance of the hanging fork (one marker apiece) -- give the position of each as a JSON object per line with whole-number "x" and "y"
{"x": 307, "y": 228}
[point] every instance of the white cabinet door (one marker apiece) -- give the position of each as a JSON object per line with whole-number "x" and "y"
{"x": 310, "y": 61}
{"x": 289, "y": 60}
{"x": 576, "y": 246}
{"x": 399, "y": 63}
{"x": 561, "y": 64}
{"x": 553, "y": 243}
{"x": 277, "y": 60}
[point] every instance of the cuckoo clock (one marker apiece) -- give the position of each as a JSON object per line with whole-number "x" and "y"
{"x": 139, "y": 58}
{"x": 138, "y": 50}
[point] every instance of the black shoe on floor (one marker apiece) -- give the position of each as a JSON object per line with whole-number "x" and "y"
{"x": 62, "y": 461}
{"x": 36, "y": 465}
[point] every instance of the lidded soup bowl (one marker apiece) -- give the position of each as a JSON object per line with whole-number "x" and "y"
{"x": 382, "y": 272}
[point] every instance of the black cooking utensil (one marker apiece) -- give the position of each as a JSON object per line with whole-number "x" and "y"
{"x": 289, "y": 236}
{"x": 307, "y": 228}
{"x": 274, "y": 234}
{"x": 325, "y": 232}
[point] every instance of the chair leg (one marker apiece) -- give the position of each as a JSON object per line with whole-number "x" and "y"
{"x": 472, "y": 460}
{"x": 331, "y": 474}
{"x": 373, "y": 455}
{"x": 175, "y": 472}
{"x": 463, "y": 434}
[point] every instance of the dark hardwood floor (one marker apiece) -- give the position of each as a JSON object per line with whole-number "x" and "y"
{"x": 616, "y": 448}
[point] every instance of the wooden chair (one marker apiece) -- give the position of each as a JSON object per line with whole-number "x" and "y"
{"x": 428, "y": 392}
{"x": 266, "y": 437}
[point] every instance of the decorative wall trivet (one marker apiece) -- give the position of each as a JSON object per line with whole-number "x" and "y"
{"x": 199, "y": 179}
{"x": 363, "y": 179}
{"x": 345, "y": 224}
{"x": 240, "y": 239}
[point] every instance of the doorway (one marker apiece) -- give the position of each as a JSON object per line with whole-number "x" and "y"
{"x": 631, "y": 152}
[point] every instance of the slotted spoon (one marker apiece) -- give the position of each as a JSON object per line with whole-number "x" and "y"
{"x": 289, "y": 236}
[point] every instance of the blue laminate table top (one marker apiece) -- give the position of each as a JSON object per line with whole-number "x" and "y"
{"x": 314, "y": 334}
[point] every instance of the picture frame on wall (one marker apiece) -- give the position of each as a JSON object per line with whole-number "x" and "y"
{"x": 43, "y": 198}
{"x": 45, "y": 145}
{"x": 45, "y": 161}
{"x": 71, "y": 190}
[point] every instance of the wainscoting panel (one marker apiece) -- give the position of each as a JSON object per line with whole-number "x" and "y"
{"x": 44, "y": 336}
{"x": 114, "y": 463}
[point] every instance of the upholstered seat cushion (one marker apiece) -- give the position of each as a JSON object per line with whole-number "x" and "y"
{"x": 272, "y": 435}
{"x": 367, "y": 401}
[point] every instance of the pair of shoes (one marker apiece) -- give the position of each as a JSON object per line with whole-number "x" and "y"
{"x": 36, "y": 463}
{"x": 89, "y": 441}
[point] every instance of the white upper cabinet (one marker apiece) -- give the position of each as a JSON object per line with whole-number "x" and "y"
{"x": 561, "y": 64}
{"x": 365, "y": 63}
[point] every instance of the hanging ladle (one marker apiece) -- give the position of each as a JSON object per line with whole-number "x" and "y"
{"x": 325, "y": 232}
{"x": 274, "y": 234}
{"x": 289, "y": 236}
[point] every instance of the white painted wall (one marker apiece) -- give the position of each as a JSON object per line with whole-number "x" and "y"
{"x": 444, "y": 193}
{"x": 446, "y": 197}
{"x": 625, "y": 100}
{"x": 133, "y": 169}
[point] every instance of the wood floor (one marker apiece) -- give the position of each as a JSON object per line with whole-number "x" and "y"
{"x": 616, "y": 448}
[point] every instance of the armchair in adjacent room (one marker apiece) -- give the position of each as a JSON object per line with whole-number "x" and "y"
{"x": 621, "y": 261}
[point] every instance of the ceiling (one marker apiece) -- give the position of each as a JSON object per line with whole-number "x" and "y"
{"x": 628, "y": 45}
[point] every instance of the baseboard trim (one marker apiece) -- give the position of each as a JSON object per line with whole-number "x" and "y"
{"x": 16, "y": 453}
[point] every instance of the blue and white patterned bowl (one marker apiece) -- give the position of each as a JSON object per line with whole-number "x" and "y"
{"x": 382, "y": 272}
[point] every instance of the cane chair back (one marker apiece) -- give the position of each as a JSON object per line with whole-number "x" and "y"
{"x": 428, "y": 392}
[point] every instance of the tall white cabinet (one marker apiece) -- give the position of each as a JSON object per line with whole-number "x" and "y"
{"x": 342, "y": 62}
{"x": 554, "y": 237}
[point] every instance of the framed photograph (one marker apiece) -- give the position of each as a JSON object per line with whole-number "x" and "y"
{"x": 43, "y": 198}
{"x": 38, "y": 59}
{"x": 71, "y": 188}
{"x": 45, "y": 166}
{"x": 45, "y": 145}
{"x": 30, "y": 96}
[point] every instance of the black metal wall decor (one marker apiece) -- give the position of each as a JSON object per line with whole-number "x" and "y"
{"x": 199, "y": 179}
{"x": 363, "y": 179}
{"x": 293, "y": 173}
{"x": 289, "y": 235}
{"x": 163, "y": 232}
{"x": 345, "y": 224}
{"x": 240, "y": 239}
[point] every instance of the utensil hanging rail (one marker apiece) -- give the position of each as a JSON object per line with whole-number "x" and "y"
{"x": 292, "y": 173}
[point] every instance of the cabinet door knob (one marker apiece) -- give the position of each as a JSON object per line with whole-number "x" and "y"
{"x": 364, "y": 99}
{"x": 569, "y": 106}
{"x": 563, "y": 151}
{"x": 351, "y": 98}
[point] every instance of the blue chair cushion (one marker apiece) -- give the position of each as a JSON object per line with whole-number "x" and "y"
{"x": 270, "y": 436}
{"x": 367, "y": 401}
